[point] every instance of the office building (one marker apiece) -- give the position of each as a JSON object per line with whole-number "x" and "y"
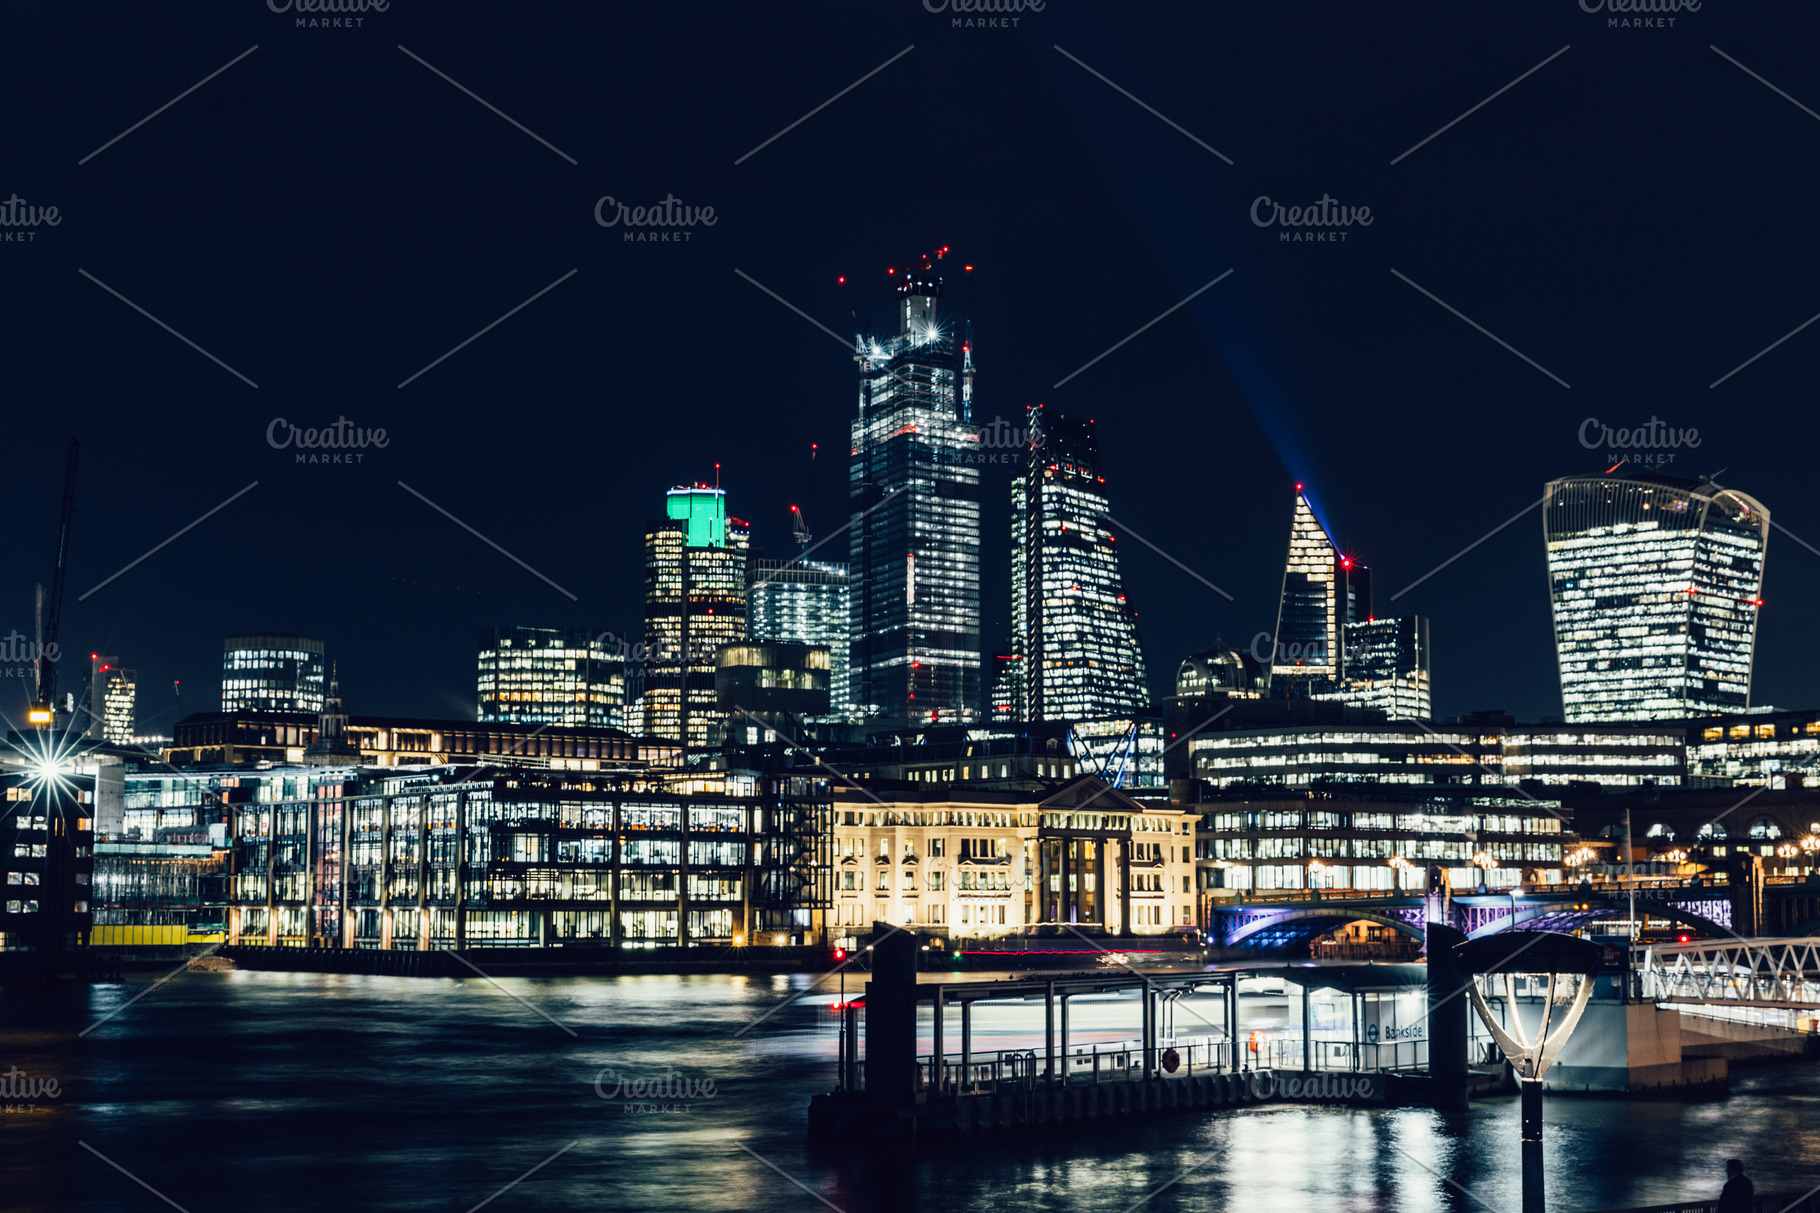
{"x": 970, "y": 862}
{"x": 776, "y": 682}
{"x": 1074, "y": 629}
{"x": 1778, "y": 750}
{"x": 1655, "y": 584}
{"x": 271, "y": 673}
{"x": 1006, "y": 703}
{"x": 1382, "y": 839}
{"x": 1222, "y": 671}
{"x": 695, "y": 602}
{"x": 253, "y": 739}
{"x": 551, "y": 676}
{"x": 46, "y": 858}
{"x": 1386, "y": 667}
{"x": 804, "y": 602}
{"x": 1487, "y": 749}
{"x": 914, "y": 517}
{"x": 466, "y": 857}
{"x": 112, "y": 701}
{"x": 1323, "y": 590}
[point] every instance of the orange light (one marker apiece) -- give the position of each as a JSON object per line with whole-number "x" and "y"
{"x": 39, "y": 716}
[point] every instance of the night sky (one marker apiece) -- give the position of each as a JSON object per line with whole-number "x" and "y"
{"x": 329, "y": 215}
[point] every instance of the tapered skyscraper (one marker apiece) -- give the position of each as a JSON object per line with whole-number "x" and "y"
{"x": 1655, "y": 583}
{"x": 1323, "y": 591}
{"x": 914, "y": 500}
{"x": 1076, "y": 633}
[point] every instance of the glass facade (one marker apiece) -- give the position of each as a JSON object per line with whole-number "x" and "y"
{"x": 1076, "y": 633}
{"x": 1477, "y": 754}
{"x": 805, "y": 602}
{"x": 1655, "y": 584}
{"x": 271, "y": 673}
{"x": 1336, "y": 840}
{"x": 550, "y": 676}
{"x": 1386, "y": 667}
{"x": 112, "y": 701}
{"x": 695, "y": 601}
{"x": 914, "y": 529}
{"x": 1323, "y": 591}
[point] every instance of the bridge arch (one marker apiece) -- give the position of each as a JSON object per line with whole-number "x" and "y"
{"x": 1298, "y": 923}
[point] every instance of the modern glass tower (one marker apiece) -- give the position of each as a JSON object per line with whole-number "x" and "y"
{"x": 550, "y": 676}
{"x": 1075, "y": 632}
{"x": 1386, "y": 664}
{"x": 271, "y": 673}
{"x": 695, "y": 601}
{"x": 914, "y": 510}
{"x": 1323, "y": 591}
{"x": 1655, "y": 583}
{"x": 804, "y": 602}
{"x": 113, "y": 698}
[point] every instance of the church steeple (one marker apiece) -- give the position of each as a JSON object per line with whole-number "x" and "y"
{"x": 331, "y": 747}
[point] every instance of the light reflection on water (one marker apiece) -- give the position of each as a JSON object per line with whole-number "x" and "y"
{"x": 312, "y": 1091}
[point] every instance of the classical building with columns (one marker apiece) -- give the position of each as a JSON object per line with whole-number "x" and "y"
{"x": 971, "y": 863}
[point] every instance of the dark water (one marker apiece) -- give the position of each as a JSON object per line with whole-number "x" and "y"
{"x": 235, "y": 1091}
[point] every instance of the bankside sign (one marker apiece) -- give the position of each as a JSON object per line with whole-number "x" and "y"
{"x": 1301, "y": 1086}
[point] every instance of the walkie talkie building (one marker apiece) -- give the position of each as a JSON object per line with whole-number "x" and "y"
{"x": 1655, "y": 583}
{"x": 914, "y": 502}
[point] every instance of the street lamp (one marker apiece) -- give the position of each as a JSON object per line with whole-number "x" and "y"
{"x": 1531, "y": 953}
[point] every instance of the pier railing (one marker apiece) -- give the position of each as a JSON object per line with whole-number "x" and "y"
{"x": 1806, "y": 1203}
{"x": 1010, "y": 1070}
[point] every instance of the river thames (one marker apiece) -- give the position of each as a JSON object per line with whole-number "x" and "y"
{"x": 240, "y": 1090}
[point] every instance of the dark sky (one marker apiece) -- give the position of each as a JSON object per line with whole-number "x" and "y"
{"x": 327, "y": 216}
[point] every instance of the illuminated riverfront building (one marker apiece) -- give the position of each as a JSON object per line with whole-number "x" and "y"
{"x": 1075, "y": 631}
{"x": 1323, "y": 591}
{"x": 271, "y": 673}
{"x": 914, "y": 509}
{"x": 1655, "y": 583}
{"x": 804, "y": 602}
{"x": 695, "y": 602}
{"x": 550, "y": 676}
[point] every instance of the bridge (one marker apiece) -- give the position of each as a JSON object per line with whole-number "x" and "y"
{"x": 1288, "y": 921}
{"x": 1774, "y": 973}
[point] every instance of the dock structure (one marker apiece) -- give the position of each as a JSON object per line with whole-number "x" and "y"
{"x": 894, "y": 1090}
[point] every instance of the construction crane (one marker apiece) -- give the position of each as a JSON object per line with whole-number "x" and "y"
{"x": 43, "y": 712}
{"x": 801, "y": 527}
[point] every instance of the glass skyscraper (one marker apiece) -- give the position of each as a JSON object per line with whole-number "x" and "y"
{"x": 550, "y": 676}
{"x": 113, "y": 699}
{"x": 695, "y": 601}
{"x": 271, "y": 673}
{"x": 1075, "y": 632}
{"x": 1386, "y": 667}
{"x": 806, "y": 602}
{"x": 1655, "y": 583}
{"x": 914, "y": 509}
{"x": 1323, "y": 591}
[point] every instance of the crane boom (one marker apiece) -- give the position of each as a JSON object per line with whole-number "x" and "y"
{"x": 44, "y": 710}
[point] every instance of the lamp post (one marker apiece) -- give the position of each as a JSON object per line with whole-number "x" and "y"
{"x": 1532, "y": 953}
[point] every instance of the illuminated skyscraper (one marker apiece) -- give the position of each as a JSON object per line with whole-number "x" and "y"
{"x": 1386, "y": 667}
{"x": 695, "y": 601}
{"x": 112, "y": 697}
{"x": 914, "y": 508}
{"x": 551, "y": 676}
{"x": 1323, "y": 591}
{"x": 805, "y": 602}
{"x": 1076, "y": 633}
{"x": 1655, "y": 583}
{"x": 271, "y": 673}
